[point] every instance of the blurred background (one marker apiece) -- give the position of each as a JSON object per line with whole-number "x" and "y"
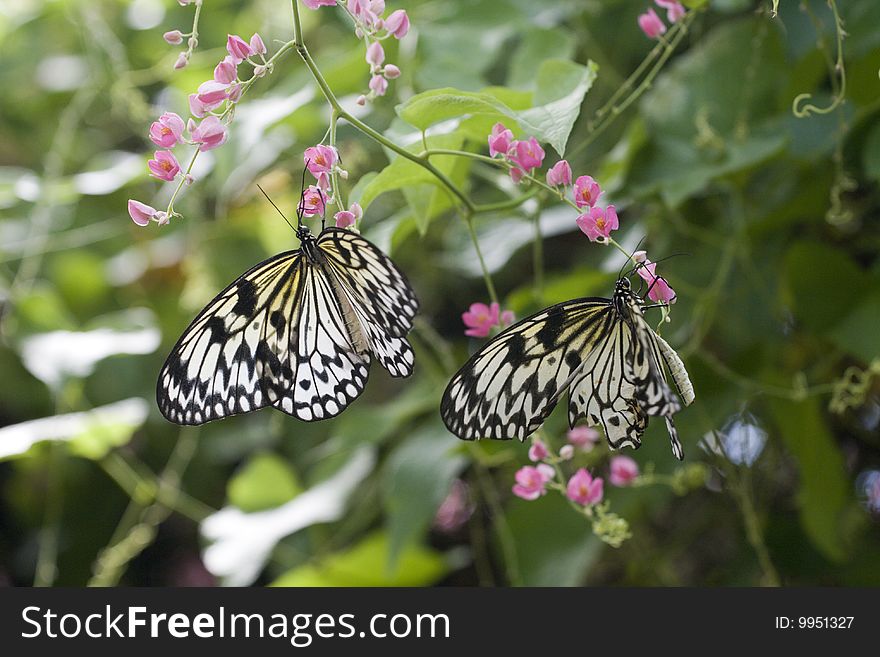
{"x": 776, "y": 218}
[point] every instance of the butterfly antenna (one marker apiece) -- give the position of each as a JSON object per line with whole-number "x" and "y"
{"x": 275, "y": 206}
{"x": 620, "y": 274}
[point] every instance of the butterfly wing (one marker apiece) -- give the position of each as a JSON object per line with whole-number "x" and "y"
{"x": 377, "y": 292}
{"x": 215, "y": 368}
{"x": 513, "y": 382}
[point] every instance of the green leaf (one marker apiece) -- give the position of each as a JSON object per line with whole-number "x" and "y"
{"x": 266, "y": 481}
{"x": 561, "y": 88}
{"x": 824, "y": 284}
{"x": 403, "y": 173}
{"x": 417, "y": 478}
{"x": 367, "y": 564}
{"x": 425, "y": 109}
{"x": 538, "y": 45}
{"x": 824, "y": 500}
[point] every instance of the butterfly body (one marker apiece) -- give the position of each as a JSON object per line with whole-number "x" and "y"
{"x": 600, "y": 350}
{"x": 297, "y": 332}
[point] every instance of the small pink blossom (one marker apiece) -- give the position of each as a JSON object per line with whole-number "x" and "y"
{"x": 507, "y": 318}
{"x": 226, "y": 71}
{"x": 455, "y": 510}
{"x": 361, "y": 100}
{"x": 174, "y": 37}
{"x": 212, "y": 93}
{"x": 167, "y": 131}
{"x": 375, "y": 55}
{"x": 674, "y": 9}
{"x": 528, "y": 155}
{"x": 516, "y": 175}
{"x": 320, "y": 159}
{"x": 209, "y": 134}
{"x": 315, "y": 4}
{"x": 181, "y": 61}
{"x": 566, "y": 452}
{"x": 538, "y": 451}
{"x": 480, "y": 319}
{"x": 234, "y": 93}
{"x": 349, "y": 217}
{"x": 640, "y": 256}
{"x": 624, "y": 471}
{"x": 531, "y": 481}
{"x": 238, "y": 48}
{"x": 559, "y": 174}
{"x": 658, "y": 289}
{"x": 500, "y": 140}
{"x": 397, "y": 23}
{"x": 164, "y": 166}
{"x": 141, "y": 213}
{"x": 391, "y": 72}
{"x": 312, "y": 202}
{"x": 584, "y": 489}
{"x": 196, "y": 108}
{"x": 598, "y": 223}
{"x": 586, "y": 191}
{"x": 651, "y": 24}
{"x": 584, "y": 437}
{"x": 379, "y": 85}
{"x": 377, "y": 7}
{"x": 257, "y": 45}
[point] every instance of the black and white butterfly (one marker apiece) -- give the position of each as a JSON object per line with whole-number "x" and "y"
{"x": 601, "y": 350}
{"x": 296, "y": 332}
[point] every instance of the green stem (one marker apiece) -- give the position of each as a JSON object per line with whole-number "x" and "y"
{"x": 538, "y": 256}
{"x": 487, "y": 277}
{"x": 334, "y": 175}
{"x": 754, "y": 532}
{"x": 47, "y": 555}
{"x": 838, "y": 81}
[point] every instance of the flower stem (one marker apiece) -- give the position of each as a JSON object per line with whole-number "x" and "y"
{"x": 487, "y": 277}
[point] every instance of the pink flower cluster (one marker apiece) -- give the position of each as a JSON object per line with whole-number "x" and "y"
{"x": 373, "y": 27}
{"x": 595, "y": 222}
{"x": 652, "y": 25}
{"x": 525, "y": 156}
{"x": 480, "y": 319}
{"x": 322, "y": 162}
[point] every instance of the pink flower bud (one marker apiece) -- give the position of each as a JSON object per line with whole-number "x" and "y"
{"x": 583, "y": 437}
{"x": 181, "y": 62}
{"x": 377, "y": 7}
{"x": 391, "y": 72}
{"x": 238, "y": 48}
{"x": 167, "y": 131}
{"x": 651, "y": 24}
{"x": 538, "y": 451}
{"x": 640, "y": 256}
{"x": 361, "y": 100}
{"x": 507, "y": 318}
{"x": 397, "y": 23}
{"x": 234, "y": 93}
{"x": 209, "y": 134}
{"x": 379, "y": 85}
{"x": 212, "y": 93}
{"x": 315, "y": 4}
{"x": 559, "y": 174}
{"x": 344, "y": 219}
{"x": 674, "y": 9}
{"x": 174, "y": 37}
{"x": 164, "y": 166}
{"x": 257, "y": 45}
{"x": 375, "y": 55}
{"x": 356, "y": 210}
{"x": 184, "y": 3}
{"x": 516, "y": 175}
{"x": 226, "y": 71}
{"x": 140, "y": 213}
{"x": 566, "y": 452}
{"x": 528, "y": 154}
{"x": 162, "y": 218}
{"x": 188, "y": 179}
{"x": 196, "y": 108}
{"x": 260, "y": 70}
{"x": 624, "y": 471}
{"x": 500, "y": 140}
{"x": 658, "y": 289}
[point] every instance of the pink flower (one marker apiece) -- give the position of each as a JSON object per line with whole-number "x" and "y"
{"x": 174, "y": 37}
{"x": 586, "y": 191}
{"x": 500, "y": 140}
{"x": 583, "y": 489}
{"x": 196, "y": 108}
{"x": 314, "y": 4}
{"x": 141, "y": 213}
{"x": 559, "y": 174}
{"x": 507, "y": 318}
{"x": 584, "y": 437}
{"x": 651, "y": 24}
{"x": 212, "y": 93}
{"x": 674, "y": 9}
{"x": 312, "y": 202}
{"x": 480, "y": 319}
{"x": 257, "y": 45}
{"x": 538, "y": 451}
{"x": 624, "y": 470}
{"x": 238, "y": 48}
{"x": 234, "y": 92}
{"x": 531, "y": 481}
{"x": 598, "y": 223}
{"x": 566, "y": 452}
{"x": 455, "y": 509}
{"x": 209, "y": 134}
{"x": 528, "y": 154}
{"x": 391, "y": 72}
{"x": 397, "y": 23}
{"x": 226, "y": 71}
{"x": 658, "y": 289}
{"x": 379, "y": 85}
{"x": 165, "y": 166}
{"x": 181, "y": 61}
{"x": 375, "y": 55}
{"x": 320, "y": 159}
{"x": 167, "y": 131}
{"x": 348, "y": 217}
{"x": 516, "y": 175}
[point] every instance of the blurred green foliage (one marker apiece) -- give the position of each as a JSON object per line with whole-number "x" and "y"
{"x": 778, "y": 293}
